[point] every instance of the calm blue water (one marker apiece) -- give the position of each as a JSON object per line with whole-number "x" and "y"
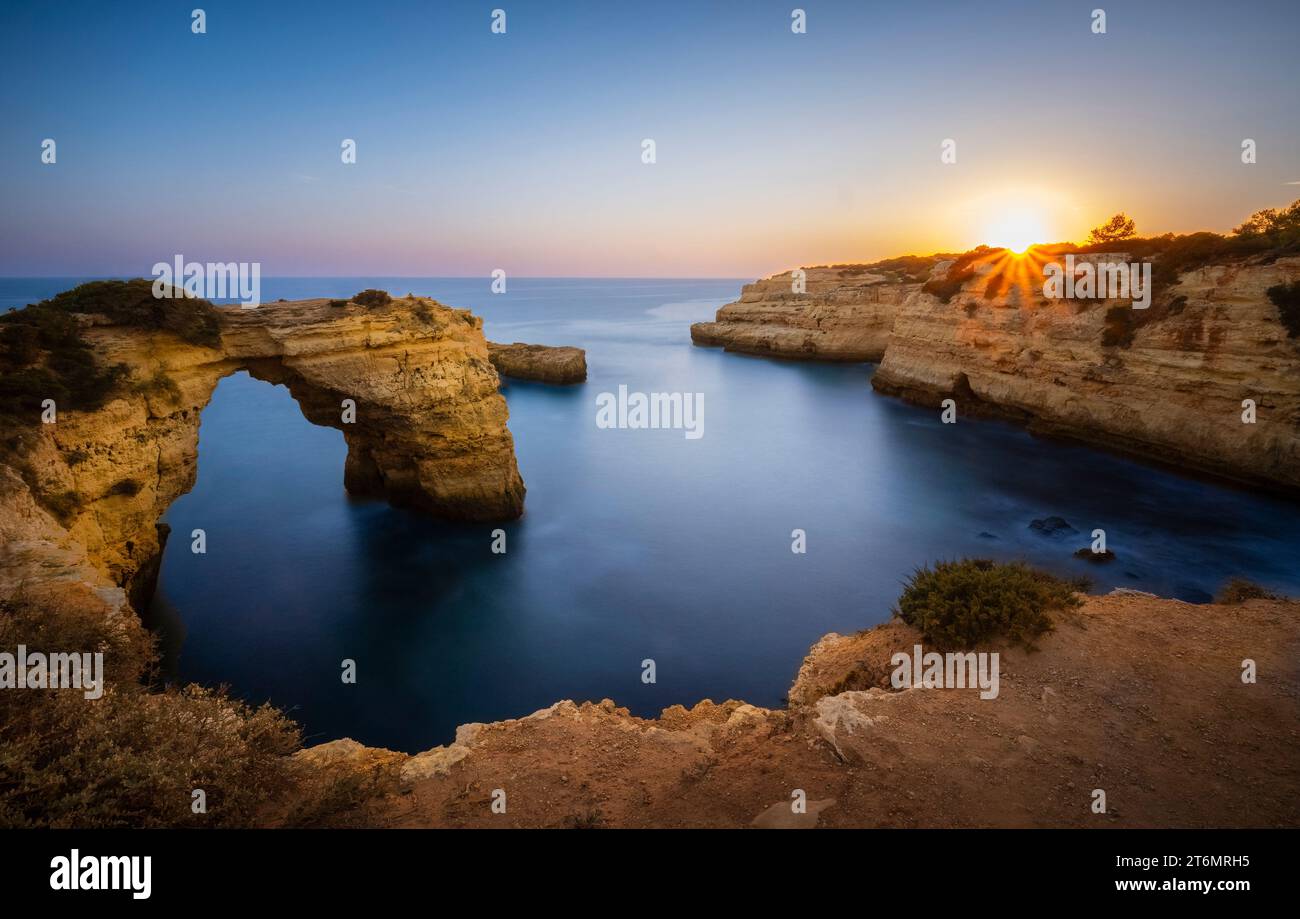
{"x": 636, "y": 544}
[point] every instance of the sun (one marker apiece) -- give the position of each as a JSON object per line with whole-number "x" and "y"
{"x": 1016, "y": 229}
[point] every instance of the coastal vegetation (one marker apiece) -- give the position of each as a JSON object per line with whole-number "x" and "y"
{"x": 135, "y": 756}
{"x": 959, "y": 604}
{"x": 1286, "y": 297}
{"x": 372, "y": 298}
{"x": 44, "y": 353}
{"x": 1239, "y": 590}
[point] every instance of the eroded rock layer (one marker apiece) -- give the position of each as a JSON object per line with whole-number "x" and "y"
{"x": 1169, "y": 383}
{"x": 845, "y": 314}
{"x": 425, "y": 426}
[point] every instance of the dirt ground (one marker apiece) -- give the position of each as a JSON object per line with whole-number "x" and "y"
{"x": 1139, "y": 697}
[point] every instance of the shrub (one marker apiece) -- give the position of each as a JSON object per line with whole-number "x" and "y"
{"x": 131, "y": 757}
{"x": 1118, "y": 330}
{"x": 1238, "y": 590}
{"x": 1286, "y": 297}
{"x": 959, "y": 604}
{"x": 372, "y": 298}
{"x": 959, "y": 272}
{"x": 45, "y": 356}
{"x": 338, "y": 304}
{"x": 946, "y": 288}
{"x": 21, "y": 345}
{"x": 133, "y": 303}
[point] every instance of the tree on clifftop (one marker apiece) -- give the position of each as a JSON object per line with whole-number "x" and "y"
{"x": 1282, "y": 224}
{"x": 1117, "y": 228}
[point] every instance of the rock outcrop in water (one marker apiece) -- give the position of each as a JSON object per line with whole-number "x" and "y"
{"x": 542, "y": 363}
{"x": 409, "y": 384}
{"x": 1169, "y": 383}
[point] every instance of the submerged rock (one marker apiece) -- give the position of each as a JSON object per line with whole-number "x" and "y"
{"x": 1096, "y": 558}
{"x": 1052, "y": 526}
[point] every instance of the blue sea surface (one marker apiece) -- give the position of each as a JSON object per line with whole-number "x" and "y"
{"x": 636, "y": 544}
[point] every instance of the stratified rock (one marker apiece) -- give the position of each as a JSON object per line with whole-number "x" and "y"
{"x": 430, "y": 763}
{"x": 1171, "y": 389}
{"x": 1167, "y": 383}
{"x": 542, "y": 363}
{"x": 429, "y": 428}
{"x": 846, "y": 314}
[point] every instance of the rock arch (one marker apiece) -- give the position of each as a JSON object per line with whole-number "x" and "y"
{"x": 430, "y": 431}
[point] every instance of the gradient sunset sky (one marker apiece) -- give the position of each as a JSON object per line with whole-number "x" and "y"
{"x": 523, "y": 151}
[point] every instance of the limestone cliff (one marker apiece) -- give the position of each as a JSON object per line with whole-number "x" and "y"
{"x": 1167, "y": 383}
{"x": 845, "y": 314}
{"x": 429, "y": 429}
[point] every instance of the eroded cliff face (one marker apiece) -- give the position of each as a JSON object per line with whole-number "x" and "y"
{"x": 1167, "y": 383}
{"x": 845, "y": 314}
{"x": 1170, "y": 385}
{"x": 429, "y": 431}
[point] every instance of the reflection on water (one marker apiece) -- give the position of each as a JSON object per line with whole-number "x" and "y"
{"x": 638, "y": 544}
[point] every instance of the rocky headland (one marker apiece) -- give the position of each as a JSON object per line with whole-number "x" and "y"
{"x": 1173, "y": 383}
{"x": 1138, "y": 696}
{"x": 846, "y": 313}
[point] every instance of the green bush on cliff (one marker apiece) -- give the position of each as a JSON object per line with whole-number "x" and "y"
{"x": 1286, "y": 297}
{"x": 70, "y": 375}
{"x": 372, "y": 298}
{"x": 44, "y": 354}
{"x": 133, "y": 303}
{"x": 959, "y": 272}
{"x": 946, "y": 287}
{"x": 1239, "y": 590}
{"x": 960, "y": 604}
{"x": 132, "y": 757}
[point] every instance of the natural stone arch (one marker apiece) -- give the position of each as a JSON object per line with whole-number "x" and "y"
{"x": 430, "y": 430}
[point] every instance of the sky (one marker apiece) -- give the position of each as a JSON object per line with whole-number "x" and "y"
{"x": 523, "y": 151}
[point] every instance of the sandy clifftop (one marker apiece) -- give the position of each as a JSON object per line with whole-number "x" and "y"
{"x": 1140, "y": 697}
